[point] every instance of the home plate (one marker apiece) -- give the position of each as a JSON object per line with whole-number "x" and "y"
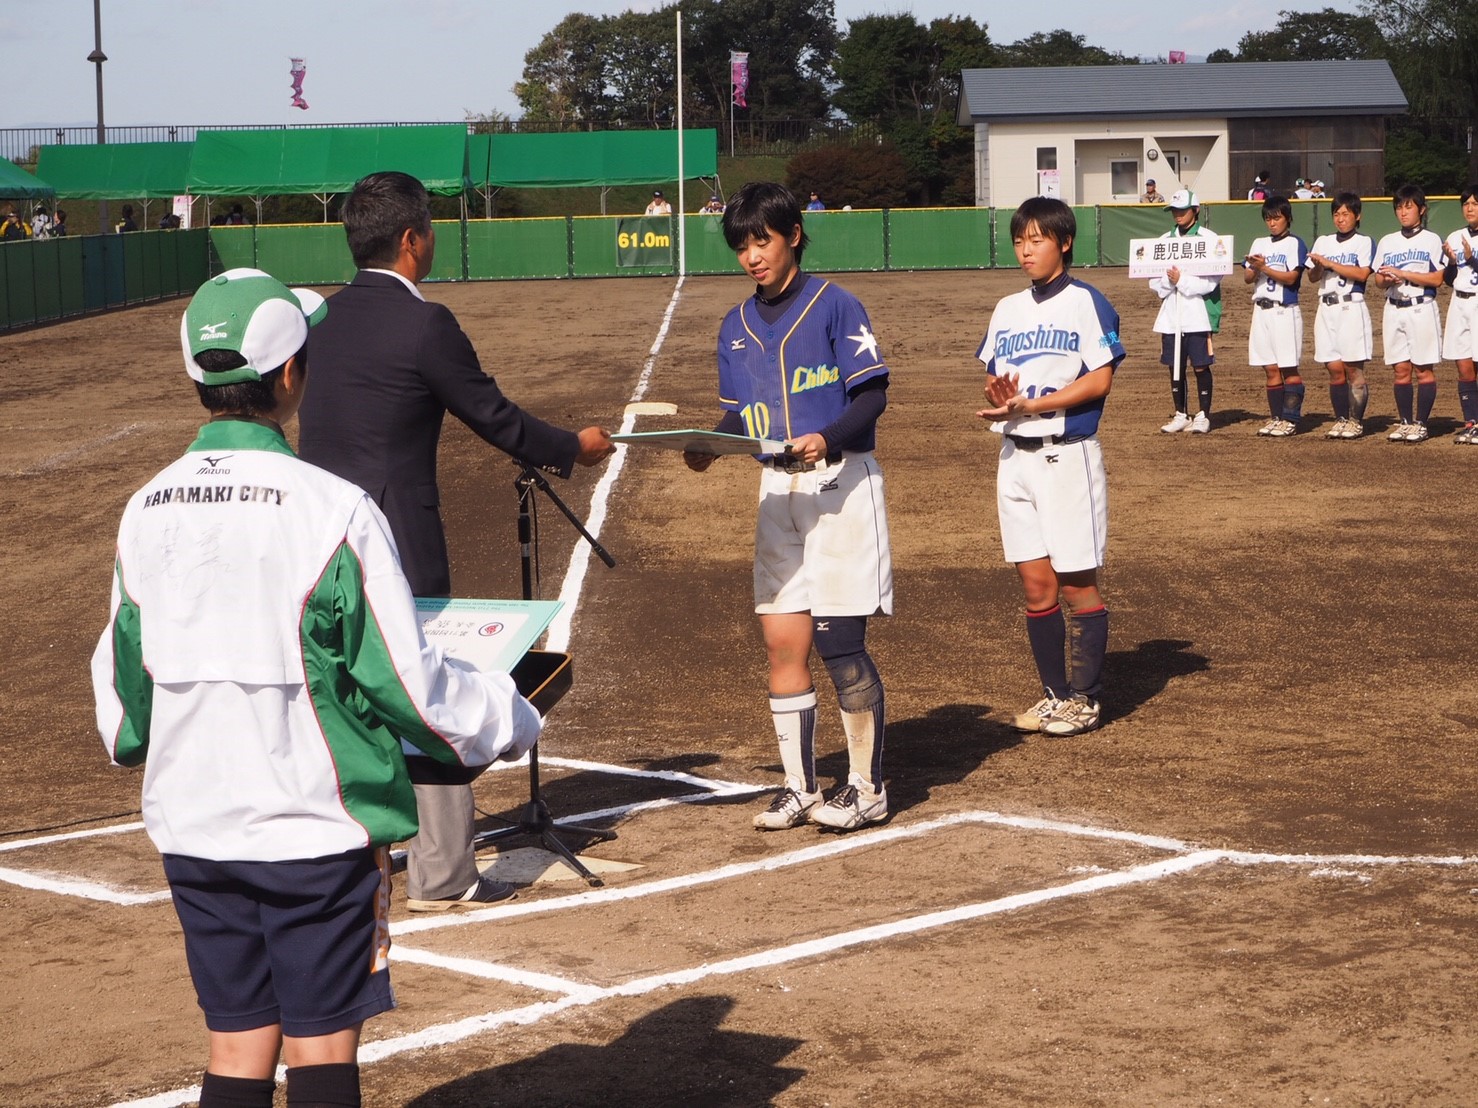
{"x": 530, "y": 865}
{"x": 651, "y": 407}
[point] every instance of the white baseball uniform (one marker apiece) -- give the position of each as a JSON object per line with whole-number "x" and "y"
{"x": 1051, "y": 488}
{"x": 1342, "y": 331}
{"x": 1460, "y": 339}
{"x": 1411, "y": 325}
{"x": 1276, "y": 335}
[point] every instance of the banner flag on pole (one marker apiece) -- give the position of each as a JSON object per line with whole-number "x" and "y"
{"x": 1177, "y": 57}
{"x": 299, "y": 71}
{"x": 739, "y": 77}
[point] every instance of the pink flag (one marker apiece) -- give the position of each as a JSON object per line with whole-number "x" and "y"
{"x": 1177, "y": 57}
{"x": 739, "y": 77}
{"x": 299, "y": 71}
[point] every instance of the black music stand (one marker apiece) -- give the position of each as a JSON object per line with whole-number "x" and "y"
{"x": 535, "y": 820}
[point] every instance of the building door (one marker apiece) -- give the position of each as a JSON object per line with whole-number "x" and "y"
{"x": 1172, "y": 162}
{"x": 1124, "y": 179}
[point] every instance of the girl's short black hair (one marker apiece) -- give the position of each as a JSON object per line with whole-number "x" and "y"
{"x": 1468, "y": 193}
{"x": 248, "y": 398}
{"x": 1349, "y": 200}
{"x": 762, "y": 208}
{"x": 1277, "y": 205}
{"x": 1052, "y": 217}
{"x": 1414, "y": 193}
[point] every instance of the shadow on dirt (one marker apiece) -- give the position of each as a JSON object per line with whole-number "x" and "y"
{"x": 1134, "y": 676}
{"x": 679, "y": 1054}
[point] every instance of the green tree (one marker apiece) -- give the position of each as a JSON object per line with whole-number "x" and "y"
{"x": 859, "y": 176}
{"x": 564, "y": 77}
{"x": 1326, "y": 35}
{"x": 791, "y": 45}
{"x": 1434, "y": 52}
{"x": 1059, "y": 47}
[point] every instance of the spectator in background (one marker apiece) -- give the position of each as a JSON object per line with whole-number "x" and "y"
{"x": 59, "y": 225}
{"x": 1151, "y": 194}
{"x": 659, "y": 205}
{"x": 40, "y": 223}
{"x": 237, "y": 218}
{"x": 169, "y": 222}
{"x": 815, "y": 204}
{"x": 1301, "y": 190}
{"x": 126, "y": 224}
{"x": 1260, "y": 189}
{"x": 12, "y": 228}
{"x": 1316, "y": 190}
{"x": 715, "y": 206}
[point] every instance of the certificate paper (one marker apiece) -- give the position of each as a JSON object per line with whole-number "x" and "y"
{"x": 702, "y": 442}
{"x": 491, "y": 635}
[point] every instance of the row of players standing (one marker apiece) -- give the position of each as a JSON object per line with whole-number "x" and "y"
{"x": 1408, "y": 265}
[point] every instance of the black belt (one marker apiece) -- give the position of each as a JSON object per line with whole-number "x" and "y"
{"x": 790, "y": 463}
{"x": 1032, "y": 442}
{"x": 1265, "y": 302}
{"x": 1399, "y": 303}
{"x": 1464, "y": 295}
{"x": 1335, "y": 298}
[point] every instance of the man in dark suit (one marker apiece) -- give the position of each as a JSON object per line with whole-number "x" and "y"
{"x": 385, "y": 373}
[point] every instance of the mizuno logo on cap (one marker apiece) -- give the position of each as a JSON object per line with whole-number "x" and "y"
{"x": 210, "y": 332}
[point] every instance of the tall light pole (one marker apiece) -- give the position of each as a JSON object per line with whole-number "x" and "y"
{"x": 97, "y": 57}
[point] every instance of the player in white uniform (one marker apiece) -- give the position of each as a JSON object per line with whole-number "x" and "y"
{"x": 1274, "y": 267}
{"x": 1409, "y": 265}
{"x": 1340, "y": 263}
{"x": 1050, "y": 354}
{"x": 798, "y": 361}
{"x": 1191, "y": 305}
{"x": 1460, "y": 339}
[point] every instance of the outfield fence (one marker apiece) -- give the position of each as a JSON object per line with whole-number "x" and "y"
{"x": 41, "y": 282}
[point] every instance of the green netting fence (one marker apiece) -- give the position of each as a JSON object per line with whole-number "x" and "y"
{"x": 60, "y": 278}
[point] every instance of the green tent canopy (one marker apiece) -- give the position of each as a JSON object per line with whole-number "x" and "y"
{"x": 17, "y": 184}
{"x": 142, "y": 170}
{"x": 326, "y": 159}
{"x": 589, "y": 158}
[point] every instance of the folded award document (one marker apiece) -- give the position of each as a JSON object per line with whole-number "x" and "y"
{"x": 490, "y": 635}
{"x": 702, "y": 442}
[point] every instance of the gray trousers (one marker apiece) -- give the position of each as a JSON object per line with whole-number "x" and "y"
{"x": 440, "y": 862}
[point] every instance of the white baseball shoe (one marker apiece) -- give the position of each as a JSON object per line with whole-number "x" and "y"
{"x": 1353, "y": 429}
{"x": 1283, "y": 429}
{"x": 1073, "y": 717}
{"x": 1398, "y": 432}
{"x": 1416, "y": 432}
{"x": 1031, "y": 719}
{"x": 1338, "y": 430}
{"x": 790, "y": 808}
{"x": 1178, "y": 422}
{"x": 854, "y": 805}
{"x": 1201, "y": 424}
{"x": 1267, "y": 428}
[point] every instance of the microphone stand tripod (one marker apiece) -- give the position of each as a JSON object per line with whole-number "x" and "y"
{"x": 535, "y": 820}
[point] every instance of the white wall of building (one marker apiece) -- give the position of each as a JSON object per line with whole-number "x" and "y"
{"x": 1086, "y": 155}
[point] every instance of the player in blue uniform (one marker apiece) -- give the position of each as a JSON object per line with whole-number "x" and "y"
{"x": 1274, "y": 266}
{"x": 1050, "y": 354}
{"x": 798, "y": 361}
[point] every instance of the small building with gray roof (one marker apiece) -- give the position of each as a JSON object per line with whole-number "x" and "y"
{"x": 1096, "y": 134}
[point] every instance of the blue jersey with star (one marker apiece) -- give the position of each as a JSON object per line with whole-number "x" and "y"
{"x": 790, "y": 378}
{"x": 1048, "y": 343}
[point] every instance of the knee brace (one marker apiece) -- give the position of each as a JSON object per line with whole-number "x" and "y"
{"x": 841, "y": 642}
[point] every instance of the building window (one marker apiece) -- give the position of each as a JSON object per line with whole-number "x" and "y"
{"x": 1124, "y": 178}
{"x": 1046, "y": 158}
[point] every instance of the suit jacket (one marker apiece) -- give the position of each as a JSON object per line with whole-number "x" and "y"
{"x": 384, "y": 367}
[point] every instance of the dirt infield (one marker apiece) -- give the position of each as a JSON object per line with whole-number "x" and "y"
{"x": 1255, "y": 885}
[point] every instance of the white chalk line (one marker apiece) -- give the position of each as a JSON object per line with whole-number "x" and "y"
{"x": 558, "y": 636}
{"x": 70, "y": 886}
{"x": 53, "y": 461}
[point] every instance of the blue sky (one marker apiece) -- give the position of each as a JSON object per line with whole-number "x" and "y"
{"x": 213, "y": 62}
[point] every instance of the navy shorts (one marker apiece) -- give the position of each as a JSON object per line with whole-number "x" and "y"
{"x": 302, "y": 944}
{"x": 1195, "y": 349}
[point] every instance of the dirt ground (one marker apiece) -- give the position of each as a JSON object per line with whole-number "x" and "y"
{"x": 1288, "y": 688}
